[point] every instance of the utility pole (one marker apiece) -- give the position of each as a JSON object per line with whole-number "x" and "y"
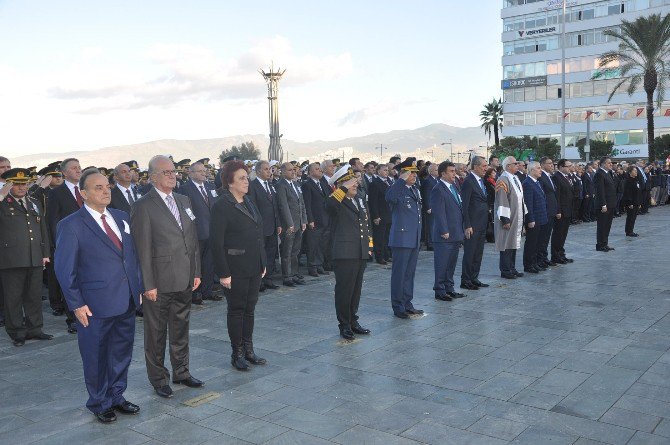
{"x": 587, "y": 145}
{"x": 381, "y": 152}
{"x": 563, "y": 84}
{"x": 451, "y": 149}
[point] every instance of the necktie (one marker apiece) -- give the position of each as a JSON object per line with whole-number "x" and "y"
{"x": 23, "y": 207}
{"x": 267, "y": 189}
{"x": 388, "y": 181}
{"x": 452, "y": 189}
{"x": 130, "y": 196}
{"x": 172, "y": 205}
{"x": 481, "y": 184}
{"x": 80, "y": 200}
{"x": 318, "y": 184}
{"x": 516, "y": 183}
{"x": 110, "y": 233}
{"x": 295, "y": 189}
{"x": 204, "y": 194}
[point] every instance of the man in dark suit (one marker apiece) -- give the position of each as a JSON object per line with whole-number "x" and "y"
{"x": 549, "y": 189}
{"x": 645, "y": 186}
{"x": 447, "y": 231}
{"x": 605, "y": 201}
{"x": 475, "y": 221}
{"x": 328, "y": 169}
{"x": 405, "y": 238}
{"x": 201, "y": 193}
{"x": 314, "y": 196}
{"x": 536, "y": 203}
{"x": 123, "y": 195}
{"x": 264, "y": 196}
{"x": 351, "y": 249}
{"x": 101, "y": 280}
{"x": 293, "y": 221}
{"x": 587, "y": 193}
{"x": 564, "y": 209}
{"x": 24, "y": 244}
{"x": 521, "y": 172}
{"x": 163, "y": 226}
{"x": 62, "y": 201}
{"x": 5, "y": 187}
{"x": 427, "y": 185}
{"x": 380, "y": 213}
{"x": 577, "y": 193}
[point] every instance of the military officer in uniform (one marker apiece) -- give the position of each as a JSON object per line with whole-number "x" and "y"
{"x": 405, "y": 237}
{"x": 351, "y": 248}
{"x": 25, "y": 250}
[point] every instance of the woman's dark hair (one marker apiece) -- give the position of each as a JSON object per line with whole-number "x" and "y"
{"x": 631, "y": 168}
{"x": 228, "y": 172}
{"x": 489, "y": 172}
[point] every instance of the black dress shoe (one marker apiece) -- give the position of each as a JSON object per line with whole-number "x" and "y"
{"x": 322, "y": 271}
{"x": 298, "y": 276}
{"x": 127, "y": 408}
{"x": 197, "y": 300}
{"x": 289, "y": 283}
{"x": 18, "y": 342}
{"x": 559, "y": 261}
{"x": 40, "y": 336}
{"x": 609, "y": 248}
{"x": 191, "y": 382}
{"x": 469, "y": 286}
{"x": 401, "y": 314}
{"x": 551, "y": 263}
{"x": 508, "y": 276}
{"x": 299, "y": 281}
{"x": 313, "y": 273}
{"x": 530, "y": 270}
{"x": 2, "y": 322}
{"x": 138, "y": 313}
{"x": 358, "y": 329}
{"x": 602, "y": 249}
{"x": 541, "y": 266}
{"x": 164, "y": 391}
{"x": 106, "y": 416}
{"x": 271, "y": 285}
{"x": 214, "y": 297}
{"x": 455, "y": 295}
{"x": 414, "y": 311}
{"x": 518, "y": 274}
{"x": 382, "y": 262}
{"x": 57, "y": 312}
{"x": 72, "y": 328}
{"x": 262, "y": 288}
{"x": 347, "y": 334}
{"x": 632, "y": 234}
{"x": 443, "y": 298}
{"x": 479, "y": 284}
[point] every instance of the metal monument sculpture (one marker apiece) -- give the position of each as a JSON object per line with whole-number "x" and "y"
{"x": 272, "y": 78}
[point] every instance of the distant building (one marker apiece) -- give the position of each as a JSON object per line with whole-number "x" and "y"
{"x": 531, "y": 78}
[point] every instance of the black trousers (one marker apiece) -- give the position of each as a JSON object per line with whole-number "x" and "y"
{"x": 645, "y": 200}
{"x": 22, "y": 289}
{"x": 473, "y": 250}
{"x": 291, "y": 244}
{"x": 271, "y": 248}
{"x": 585, "y": 210}
{"x": 206, "y": 269}
{"x": 380, "y": 241}
{"x": 603, "y": 228}
{"x": 561, "y": 228}
{"x": 170, "y": 313}
{"x": 576, "y": 205}
{"x": 56, "y": 298}
{"x": 314, "y": 239}
{"x": 531, "y": 248}
{"x": 2, "y": 303}
{"x": 508, "y": 261}
{"x": 242, "y": 298}
{"x": 543, "y": 241}
{"x": 348, "y": 285}
{"x": 631, "y": 216}
{"x": 327, "y": 248}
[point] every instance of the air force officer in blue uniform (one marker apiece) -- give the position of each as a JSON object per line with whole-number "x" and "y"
{"x": 97, "y": 268}
{"x": 404, "y": 239}
{"x": 447, "y": 230}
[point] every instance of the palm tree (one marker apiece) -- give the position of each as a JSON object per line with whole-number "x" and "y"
{"x": 492, "y": 118}
{"x": 644, "y": 50}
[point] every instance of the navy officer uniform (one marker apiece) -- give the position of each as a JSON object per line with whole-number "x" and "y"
{"x": 404, "y": 238}
{"x": 350, "y": 251}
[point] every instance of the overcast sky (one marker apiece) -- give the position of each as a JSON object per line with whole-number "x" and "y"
{"x": 84, "y": 74}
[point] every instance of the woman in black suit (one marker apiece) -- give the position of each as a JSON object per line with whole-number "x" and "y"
{"x": 632, "y": 199}
{"x": 490, "y": 184}
{"x": 236, "y": 234}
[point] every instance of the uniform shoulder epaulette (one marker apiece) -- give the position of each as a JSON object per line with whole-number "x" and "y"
{"x": 339, "y": 195}
{"x": 502, "y": 185}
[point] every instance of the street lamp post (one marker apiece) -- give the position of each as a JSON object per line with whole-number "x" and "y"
{"x": 451, "y": 149}
{"x": 381, "y": 152}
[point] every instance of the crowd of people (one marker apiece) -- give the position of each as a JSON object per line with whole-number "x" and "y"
{"x": 114, "y": 244}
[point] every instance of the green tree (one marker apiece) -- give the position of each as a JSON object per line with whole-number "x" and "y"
{"x": 598, "y": 148}
{"x": 644, "y": 47}
{"x": 524, "y": 147}
{"x": 492, "y": 119}
{"x": 246, "y": 150}
{"x": 662, "y": 146}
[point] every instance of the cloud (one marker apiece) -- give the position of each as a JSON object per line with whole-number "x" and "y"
{"x": 363, "y": 114}
{"x": 195, "y": 73}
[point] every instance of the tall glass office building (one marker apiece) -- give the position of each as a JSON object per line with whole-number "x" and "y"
{"x": 531, "y": 79}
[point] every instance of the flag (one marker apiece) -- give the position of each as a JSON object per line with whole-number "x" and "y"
{"x": 639, "y": 112}
{"x": 566, "y": 115}
{"x": 612, "y": 113}
{"x": 588, "y": 114}
{"x": 667, "y": 112}
{"x": 625, "y": 113}
{"x": 597, "y": 113}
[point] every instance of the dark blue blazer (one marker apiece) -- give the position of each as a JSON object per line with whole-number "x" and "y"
{"x": 377, "y": 204}
{"x": 91, "y": 270}
{"x": 587, "y": 185}
{"x": 536, "y": 202}
{"x": 550, "y": 194}
{"x": 475, "y": 205}
{"x": 427, "y": 185}
{"x": 447, "y": 215}
{"x": 315, "y": 203}
{"x": 201, "y": 209}
{"x": 405, "y": 206}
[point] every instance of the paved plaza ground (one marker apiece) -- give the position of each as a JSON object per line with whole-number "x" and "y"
{"x": 579, "y": 354}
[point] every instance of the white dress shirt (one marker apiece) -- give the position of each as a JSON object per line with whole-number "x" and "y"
{"x": 108, "y": 217}
{"x": 71, "y": 187}
{"x": 124, "y": 192}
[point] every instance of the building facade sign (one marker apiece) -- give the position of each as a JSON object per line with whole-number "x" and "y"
{"x": 537, "y": 32}
{"x": 536, "y": 81}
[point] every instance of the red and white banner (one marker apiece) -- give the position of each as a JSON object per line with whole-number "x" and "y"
{"x": 639, "y": 111}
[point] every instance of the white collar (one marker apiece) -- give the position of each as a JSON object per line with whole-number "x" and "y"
{"x": 163, "y": 195}
{"x": 96, "y": 215}
{"x": 196, "y": 184}
{"x": 448, "y": 184}
{"x": 534, "y": 180}
{"x": 122, "y": 188}
{"x": 70, "y": 185}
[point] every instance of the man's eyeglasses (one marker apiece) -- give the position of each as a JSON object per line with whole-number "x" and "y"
{"x": 169, "y": 172}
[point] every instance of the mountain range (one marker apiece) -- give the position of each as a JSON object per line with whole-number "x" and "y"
{"x": 423, "y": 143}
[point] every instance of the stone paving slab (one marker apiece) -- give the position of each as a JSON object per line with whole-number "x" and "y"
{"x": 578, "y": 355}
